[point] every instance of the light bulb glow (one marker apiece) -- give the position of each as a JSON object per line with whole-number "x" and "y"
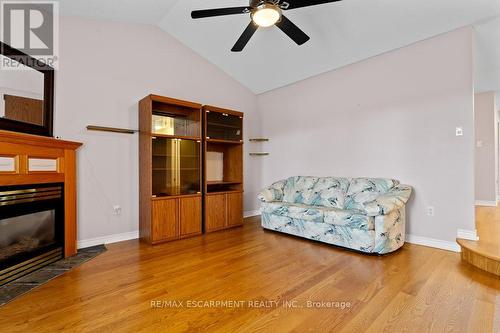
{"x": 266, "y": 15}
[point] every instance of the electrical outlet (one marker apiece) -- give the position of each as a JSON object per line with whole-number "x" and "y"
{"x": 430, "y": 211}
{"x": 459, "y": 131}
{"x": 117, "y": 210}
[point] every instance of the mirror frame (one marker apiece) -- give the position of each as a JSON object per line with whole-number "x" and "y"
{"x": 48, "y": 95}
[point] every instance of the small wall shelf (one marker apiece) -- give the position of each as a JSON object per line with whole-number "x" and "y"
{"x": 258, "y": 154}
{"x": 111, "y": 129}
{"x": 258, "y": 140}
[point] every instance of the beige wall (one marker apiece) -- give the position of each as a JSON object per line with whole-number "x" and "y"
{"x": 393, "y": 115}
{"x": 105, "y": 69}
{"x": 486, "y": 151}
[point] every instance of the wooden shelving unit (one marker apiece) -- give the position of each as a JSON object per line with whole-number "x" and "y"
{"x": 191, "y": 169}
{"x": 170, "y": 168}
{"x": 223, "y": 168}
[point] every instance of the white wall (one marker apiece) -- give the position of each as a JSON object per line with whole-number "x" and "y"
{"x": 105, "y": 69}
{"x": 486, "y": 151}
{"x": 393, "y": 115}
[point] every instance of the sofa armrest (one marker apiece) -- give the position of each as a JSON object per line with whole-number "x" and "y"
{"x": 394, "y": 199}
{"x": 273, "y": 192}
{"x": 390, "y": 230}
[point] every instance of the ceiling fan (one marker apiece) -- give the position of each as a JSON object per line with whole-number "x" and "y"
{"x": 264, "y": 13}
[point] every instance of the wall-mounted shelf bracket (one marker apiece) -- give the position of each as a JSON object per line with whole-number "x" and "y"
{"x": 259, "y": 140}
{"x": 111, "y": 129}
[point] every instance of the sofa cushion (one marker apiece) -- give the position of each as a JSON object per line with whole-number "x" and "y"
{"x": 333, "y": 216}
{"x": 296, "y": 211}
{"x": 316, "y": 191}
{"x": 364, "y": 190}
{"x": 349, "y": 218}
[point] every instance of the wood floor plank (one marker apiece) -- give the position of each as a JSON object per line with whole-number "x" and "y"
{"x": 417, "y": 289}
{"x": 482, "y": 317}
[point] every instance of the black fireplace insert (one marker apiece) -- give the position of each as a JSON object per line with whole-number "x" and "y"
{"x": 31, "y": 228}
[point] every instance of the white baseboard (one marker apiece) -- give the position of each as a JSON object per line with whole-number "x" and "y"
{"x": 467, "y": 234}
{"x": 108, "y": 239}
{"x": 131, "y": 235}
{"x": 251, "y": 213}
{"x": 425, "y": 241}
{"x": 486, "y": 203}
{"x": 431, "y": 242}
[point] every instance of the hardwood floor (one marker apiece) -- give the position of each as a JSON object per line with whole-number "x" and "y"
{"x": 417, "y": 289}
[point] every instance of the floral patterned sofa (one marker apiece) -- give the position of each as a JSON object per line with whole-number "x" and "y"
{"x": 364, "y": 214}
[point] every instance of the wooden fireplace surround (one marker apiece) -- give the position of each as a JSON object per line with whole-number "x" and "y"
{"x": 21, "y": 147}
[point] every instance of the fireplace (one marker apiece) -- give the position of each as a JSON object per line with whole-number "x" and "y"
{"x": 31, "y": 228}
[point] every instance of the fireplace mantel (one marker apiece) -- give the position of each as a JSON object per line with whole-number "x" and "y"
{"x": 42, "y": 160}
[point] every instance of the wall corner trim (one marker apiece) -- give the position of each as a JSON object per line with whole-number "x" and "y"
{"x": 486, "y": 203}
{"x": 108, "y": 239}
{"x": 467, "y": 234}
{"x": 431, "y": 242}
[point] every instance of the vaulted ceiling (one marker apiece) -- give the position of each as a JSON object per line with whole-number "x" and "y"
{"x": 341, "y": 33}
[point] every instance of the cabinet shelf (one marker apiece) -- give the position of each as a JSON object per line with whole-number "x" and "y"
{"x": 223, "y": 125}
{"x": 223, "y": 192}
{"x": 173, "y": 169}
{"x": 233, "y": 142}
{"x": 180, "y": 137}
{"x": 183, "y": 156}
{"x": 216, "y": 182}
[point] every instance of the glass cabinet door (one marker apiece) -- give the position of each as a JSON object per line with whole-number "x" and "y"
{"x": 224, "y": 126}
{"x": 176, "y": 166}
{"x": 175, "y": 125}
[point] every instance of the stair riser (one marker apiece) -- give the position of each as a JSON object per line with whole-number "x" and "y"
{"x": 479, "y": 261}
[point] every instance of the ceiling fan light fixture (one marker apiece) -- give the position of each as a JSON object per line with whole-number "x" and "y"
{"x": 266, "y": 15}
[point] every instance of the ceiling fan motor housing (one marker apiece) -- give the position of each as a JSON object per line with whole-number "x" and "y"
{"x": 280, "y": 3}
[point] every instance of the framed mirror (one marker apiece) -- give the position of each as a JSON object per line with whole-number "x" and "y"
{"x": 26, "y": 93}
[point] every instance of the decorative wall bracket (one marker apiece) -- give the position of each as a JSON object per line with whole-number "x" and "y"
{"x": 258, "y": 154}
{"x": 111, "y": 129}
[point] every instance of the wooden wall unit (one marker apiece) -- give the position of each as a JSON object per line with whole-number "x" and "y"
{"x": 177, "y": 199}
{"x": 22, "y": 147}
{"x": 170, "y": 163}
{"x": 223, "y": 133}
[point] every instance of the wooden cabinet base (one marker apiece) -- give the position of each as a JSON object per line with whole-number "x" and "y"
{"x": 223, "y": 211}
{"x": 173, "y": 219}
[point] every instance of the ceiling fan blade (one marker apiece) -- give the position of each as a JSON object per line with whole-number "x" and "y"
{"x": 245, "y": 37}
{"x": 293, "y": 4}
{"x": 196, "y": 14}
{"x": 292, "y": 30}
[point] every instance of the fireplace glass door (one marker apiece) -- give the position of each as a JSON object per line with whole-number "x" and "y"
{"x": 31, "y": 227}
